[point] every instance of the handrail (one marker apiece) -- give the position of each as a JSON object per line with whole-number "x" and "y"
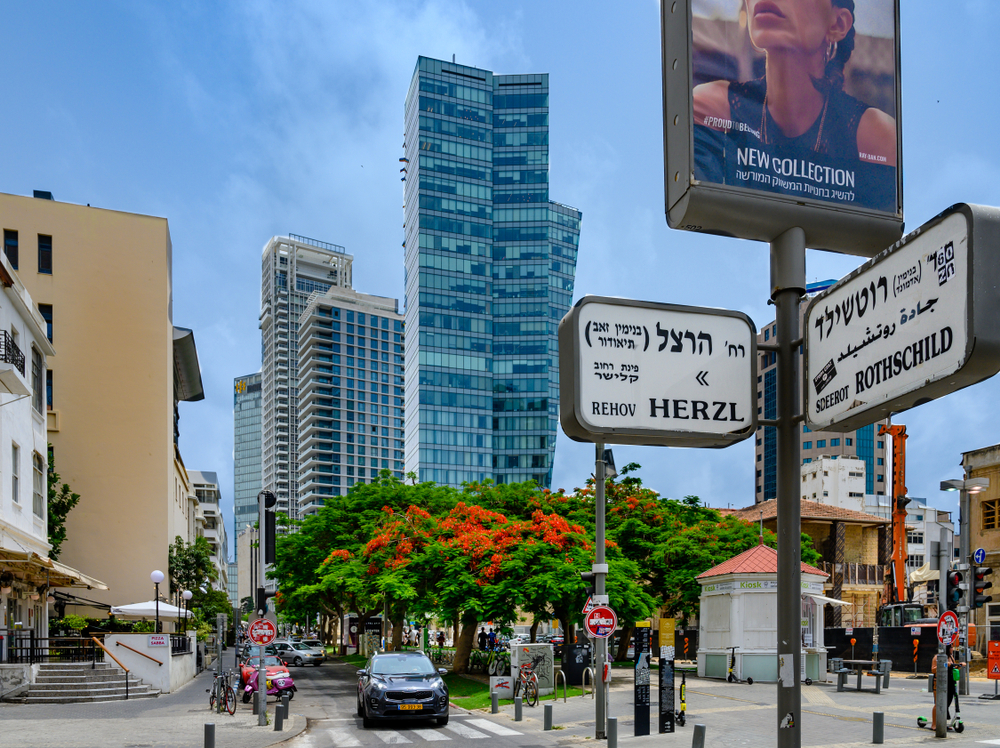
{"x": 107, "y": 651}
{"x": 143, "y": 654}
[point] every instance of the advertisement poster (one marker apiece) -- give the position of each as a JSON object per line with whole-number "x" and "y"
{"x": 797, "y": 98}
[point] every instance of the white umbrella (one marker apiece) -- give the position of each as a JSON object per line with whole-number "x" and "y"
{"x": 139, "y": 611}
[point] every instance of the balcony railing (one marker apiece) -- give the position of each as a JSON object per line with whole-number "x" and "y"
{"x": 10, "y": 353}
{"x": 856, "y": 573}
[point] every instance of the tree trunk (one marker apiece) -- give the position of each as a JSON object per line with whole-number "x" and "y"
{"x": 534, "y": 630}
{"x": 397, "y": 635}
{"x": 463, "y": 645}
{"x": 626, "y": 639}
{"x": 454, "y": 633}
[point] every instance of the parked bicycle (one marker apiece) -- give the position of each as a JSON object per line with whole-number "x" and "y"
{"x": 223, "y": 695}
{"x": 527, "y": 683}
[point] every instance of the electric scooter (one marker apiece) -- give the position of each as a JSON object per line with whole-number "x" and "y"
{"x": 955, "y": 723}
{"x": 731, "y": 677}
{"x": 680, "y": 715}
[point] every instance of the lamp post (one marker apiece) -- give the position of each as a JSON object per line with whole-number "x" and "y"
{"x": 965, "y": 488}
{"x": 187, "y": 595}
{"x": 156, "y": 577}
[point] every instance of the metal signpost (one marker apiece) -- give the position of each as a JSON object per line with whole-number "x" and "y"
{"x": 915, "y": 323}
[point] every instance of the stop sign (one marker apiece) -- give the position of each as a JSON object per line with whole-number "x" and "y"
{"x": 262, "y": 632}
{"x": 601, "y": 622}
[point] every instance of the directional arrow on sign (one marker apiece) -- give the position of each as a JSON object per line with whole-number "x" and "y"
{"x": 702, "y": 378}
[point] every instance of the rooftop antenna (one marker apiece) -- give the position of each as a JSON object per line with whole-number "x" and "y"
{"x": 452, "y": 58}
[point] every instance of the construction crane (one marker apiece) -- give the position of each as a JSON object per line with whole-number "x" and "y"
{"x": 895, "y": 584}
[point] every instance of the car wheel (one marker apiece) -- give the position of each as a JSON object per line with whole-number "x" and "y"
{"x": 442, "y": 721}
{"x": 246, "y": 698}
{"x": 361, "y": 708}
{"x": 298, "y": 662}
{"x": 367, "y": 721}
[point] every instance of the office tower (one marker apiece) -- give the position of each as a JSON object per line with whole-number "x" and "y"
{"x": 490, "y": 261}
{"x": 350, "y": 394}
{"x": 246, "y": 449}
{"x": 864, "y": 443}
{"x": 293, "y": 269}
{"x": 102, "y": 280}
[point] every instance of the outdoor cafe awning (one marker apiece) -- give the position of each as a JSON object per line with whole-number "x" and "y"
{"x": 34, "y": 569}
{"x": 821, "y": 599}
{"x": 148, "y": 610}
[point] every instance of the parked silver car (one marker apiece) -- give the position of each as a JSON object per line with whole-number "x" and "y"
{"x": 317, "y": 645}
{"x": 297, "y": 653}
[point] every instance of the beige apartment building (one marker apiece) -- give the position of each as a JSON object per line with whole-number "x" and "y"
{"x": 102, "y": 280}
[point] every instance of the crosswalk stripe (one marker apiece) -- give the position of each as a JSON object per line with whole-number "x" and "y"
{"x": 431, "y": 735}
{"x": 466, "y": 732}
{"x": 493, "y": 727}
{"x": 391, "y": 737}
{"x": 342, "y": 738}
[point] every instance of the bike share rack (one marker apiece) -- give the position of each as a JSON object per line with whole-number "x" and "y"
{"x": 560, "y": 674}
{"x": 593, "y": 682}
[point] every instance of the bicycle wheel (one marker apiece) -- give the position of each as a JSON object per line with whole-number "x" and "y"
{"x": 231, "y": 700}
{"x": 213, "y": 696}
{"x": 517, "y": 687}
{"x": 495, "y": 666}
{"x": 531, "y": 693}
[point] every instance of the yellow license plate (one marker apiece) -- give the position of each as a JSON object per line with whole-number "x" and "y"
{"x": 410, "y": 706}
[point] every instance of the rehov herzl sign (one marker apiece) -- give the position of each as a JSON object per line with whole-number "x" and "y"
{"x": 914, "y": 323}
{"x": 636, "y": 372}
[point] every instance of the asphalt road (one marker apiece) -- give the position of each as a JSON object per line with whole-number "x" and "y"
{"x": 327, "y": 697}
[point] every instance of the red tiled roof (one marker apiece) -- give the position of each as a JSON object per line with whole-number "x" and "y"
{"x": 809, "y": 510}
{"x": 760, "y": 559}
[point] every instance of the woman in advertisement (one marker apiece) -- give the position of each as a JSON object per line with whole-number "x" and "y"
{"x": 796, "y": 130}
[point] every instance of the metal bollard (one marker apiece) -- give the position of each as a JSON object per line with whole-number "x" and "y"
{"x": 256, "y": 702}
{"x": 284, "y": 703}
{"x": 698, "y": 738}
{"x": 548, "y": 716}
{"x": 878, "y": 727}
{"x": 494, "y": 703}
{"x": 209, "y": 735}
{"x": 279, "y": 718}
{"x": 517, "y": 708}
{"x": 612, "y": 732}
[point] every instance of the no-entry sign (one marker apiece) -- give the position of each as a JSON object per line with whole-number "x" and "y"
{"x": 601, "y": 622}
{"x": 948, "y": 628}
{"x": 262, "y": 632}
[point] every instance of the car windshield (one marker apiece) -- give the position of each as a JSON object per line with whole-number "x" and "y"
{"x": 254, "y": 662}
{"x": 403, "y": 665}
{"x": 301, "y": 647}
{"x": 316, "y": 643}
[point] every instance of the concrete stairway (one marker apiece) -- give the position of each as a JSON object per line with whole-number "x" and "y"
{"x": 79, "y": 682}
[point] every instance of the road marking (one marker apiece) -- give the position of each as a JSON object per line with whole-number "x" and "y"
{"x": 496, "y": 729}
{"x": 342, "y": 738}
{"x": 989, "y": 742}
{"x": 391, "y": 737}
{"x": 466, "y": 732}
{"x": 431, "y": 735}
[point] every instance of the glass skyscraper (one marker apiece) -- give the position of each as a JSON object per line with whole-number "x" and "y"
{"x": 246, "y": 449}
{"x": 490, "y": 262}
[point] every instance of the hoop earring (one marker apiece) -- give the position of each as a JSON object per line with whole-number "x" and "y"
{"x": 831, "y": 51}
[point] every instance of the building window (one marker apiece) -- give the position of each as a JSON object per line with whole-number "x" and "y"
{"x": 880, "y": 478}
{"x": 46, "y": 311}
{"x": 45, "y": 254}
{"x": 914, "y": 537}
{"x": 879, "y": 461}
{"x": 990, "y": 512}
{"x": 10, "y": 246}
{"x": 849, "y": 442}
{"x": 807, "y": 445}
{"x": 835, "y": 442}
{"x": 820, "y": 443}
{"x": 38, "y": 495}
{"x": 48, "y": 389}
{"x": 15, "y": 473}
{"x": 36, "y": 379}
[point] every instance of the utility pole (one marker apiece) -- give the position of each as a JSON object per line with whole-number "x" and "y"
{"x": 600, "y": 570}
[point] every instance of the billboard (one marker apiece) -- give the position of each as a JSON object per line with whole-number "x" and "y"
{"x": 781, "y": 113}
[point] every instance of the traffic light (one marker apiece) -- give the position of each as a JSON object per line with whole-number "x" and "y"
{"x": 262, "y": 596}
{"x": 979, "y": 586}
{"x": 588, "y": 578}
{"x": 955, "y": 590}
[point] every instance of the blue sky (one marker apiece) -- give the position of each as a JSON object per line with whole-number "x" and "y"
{"x": 241, "y": 120}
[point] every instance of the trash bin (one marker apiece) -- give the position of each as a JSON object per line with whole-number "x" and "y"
{"x": 885, "y": 666}
{"x": 575, "y": 659}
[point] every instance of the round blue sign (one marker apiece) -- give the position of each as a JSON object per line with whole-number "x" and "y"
{"x": 979, "y": 556}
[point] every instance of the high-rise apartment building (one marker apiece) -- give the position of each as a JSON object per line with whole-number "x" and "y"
{"x": 350, "y": 394}
{"x": 294, "y": 268}
{"x": 865, "y": 444}
{"x": 212, "y": 524}
{"x": 246, "y": 449}
{"x": 490, "y": 262}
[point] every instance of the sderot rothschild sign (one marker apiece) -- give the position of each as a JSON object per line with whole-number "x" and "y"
{"x": 918, "y": 321}
{"x": 637, "y": 372}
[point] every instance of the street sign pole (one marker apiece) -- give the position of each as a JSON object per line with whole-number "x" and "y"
{"x": 600, "y": 573}
{"x": 788, "y": 283}
{"x": 262, "y": 669}
{"x": 965, "y": 553}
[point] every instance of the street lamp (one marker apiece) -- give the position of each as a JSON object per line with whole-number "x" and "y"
{"x": 187, "y": 595}
{"x": 156, "y": 577}
{"x": 965, "y": 488}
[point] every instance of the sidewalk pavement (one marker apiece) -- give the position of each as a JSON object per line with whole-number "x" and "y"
{"x": 174, "y": 720}
{"x": 739, "y": 716}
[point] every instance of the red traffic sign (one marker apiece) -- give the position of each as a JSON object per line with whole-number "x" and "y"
{"x": 994, "y": 661}
{"x": 601, "y": 622}
{"x": 947, "y": 628}
{"x": 262, "y": 632}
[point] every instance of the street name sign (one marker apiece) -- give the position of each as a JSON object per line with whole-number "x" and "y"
{"x": 919, "y": 321}
{"x": 601, "y": 622}
{"x": 640, "y": 372}
{"x": 948, "y": 628}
